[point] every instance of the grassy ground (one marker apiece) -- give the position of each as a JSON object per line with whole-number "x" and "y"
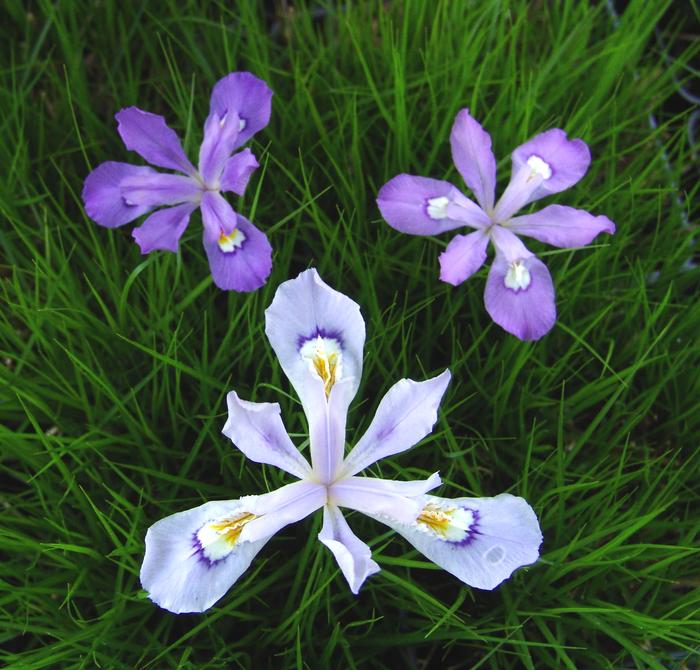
{"x": 114, "y": 366}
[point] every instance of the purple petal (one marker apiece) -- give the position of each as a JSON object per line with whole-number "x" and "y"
{"x": 247, "y": 265}
{"x": 561, "y": 226}
{"x": 237, "y": 171}
{"x": 472, "y": 154}
{"x": 519, "y": 297}
{"x": 220, "y": 135}
{"x": 424, "y": 206}
{"x": 481, "y": 541}
{"x": 246, "y": 95}
{"x": 163, "y": 229}
{"x": 464, "y": 255}
{"x": 218, "y": 216}
{"x": 406, "y": 414}
{"x": 373, "y": 496}
{"x": 102, "y": 196}
{"x": 150, "y": 136}
{"x": 154, "y": 189}
{"x": 256, "y": 428}
{"x": 354, "y": 557}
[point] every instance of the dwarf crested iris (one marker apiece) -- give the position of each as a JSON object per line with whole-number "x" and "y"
{"x": 519, "y": 292}
{"x": 240, "y": 257}
{"x": 192, "y": 558}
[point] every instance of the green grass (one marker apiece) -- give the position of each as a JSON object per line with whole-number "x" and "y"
{"x": 114, "y": 366}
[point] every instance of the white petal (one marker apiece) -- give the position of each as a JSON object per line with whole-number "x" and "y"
{"x": 481, "y": 541}
{"x": 256, "y": 428}
{"x": 353, "y": 555}
{"x": 406, "y": 414}
{"x": 192, "y": 558}
{"x": 382, "y": 497}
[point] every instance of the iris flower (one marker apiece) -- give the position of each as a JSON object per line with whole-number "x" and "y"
{"x": 519, "y": 292}
{"x": 240, "y": 257}
{"x": 192, "y": 558}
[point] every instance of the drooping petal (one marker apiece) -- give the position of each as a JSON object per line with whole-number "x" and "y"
{"x": 240, "y": 261}
{"x": 561, "y": 226}
{"x": 256, "y": 428}
{"x": 163, "y": 229}
{"x": 424, "y": 206}
{"x": 218, "y": 216}
{"x": 353, "y": 555}
{"x": 377, "y": 497}
{"x": 102, "y": 195}
{"x": 154, "y": 189}
{"x": 464, "y": 255}
{"x": 406, "y": 414}
{"x": 481, "y": 541}
{"x": 193, "y": 557}
{"x": 150, "y": 136}
{"x": 473, "y": 156}
{"x": 519, "y": 297}
{"x": 237, "y": 171}
{"x": 318, "y": 334}
{"x": 246, "y": 95}
{"x": 546, "y": 164}
{"x": 220, "y": 136}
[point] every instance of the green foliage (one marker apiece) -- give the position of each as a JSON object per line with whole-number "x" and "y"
{"x": 114, "y": 366}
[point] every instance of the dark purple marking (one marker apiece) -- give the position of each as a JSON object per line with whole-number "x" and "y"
{"x": 320, "y": 332}
{"x": 199, "y": 550}
{"x": 473, "y": 529}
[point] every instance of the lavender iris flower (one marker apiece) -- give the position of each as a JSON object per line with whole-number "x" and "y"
{"x": 240, "y": 257}
{"x": 193, "y": 557}
{"x": 519, "y": 293}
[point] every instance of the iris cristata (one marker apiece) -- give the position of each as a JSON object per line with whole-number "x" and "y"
{"x": 519, "y": 292}
{"x": 193, "y": 557}
{"x": 240, "y": 257}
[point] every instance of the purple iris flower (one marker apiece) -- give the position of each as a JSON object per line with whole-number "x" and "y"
{"x": 193, "y": 557}
{"x": 519, "y": 292}
{"x": 240, "y": 257}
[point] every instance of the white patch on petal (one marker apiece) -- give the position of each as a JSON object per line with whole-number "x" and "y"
{"x": 539, "y": 167}
{"x": 324, "y": 357}
{"x": 222, "y": 121}
{"x": 518, "y": 276}
{"x": 229, "y": 243}
{"x": 241, "y": 125}
{"x": 449, "y": 523}
{"x": 217, "y": 539}
{"x": 437, "y": 207}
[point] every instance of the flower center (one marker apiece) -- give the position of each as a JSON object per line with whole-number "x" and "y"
{"x": 229, "y": 243}
{"x": 518, "y": 276}
{"x": 215, "y": 540}
{"x": 449, "y": 523}
{"x": 437, "y": 207}
{"x": 539, "y": 167}
{"x": 324, "y": 357}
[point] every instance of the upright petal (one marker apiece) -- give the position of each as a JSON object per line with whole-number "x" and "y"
{"x": 163, "y": 229}
{"x": 519, "y": 297}
{"x": 561, "y": 226}
{"x": 353, "y": 555}
{"x": 102, "y": 194}
{"x": 246, "y": 95}
{"x": 220, "y": 136}
{"x": 317, "y": 334}
{"x": 154, "y": 189}
{"x": 256, "y": 428}
{"x": 237, "y": 171}
{"x": 424, "y": 206}
{"x": 150, "y": 136}
{"x": 472, "y": 154}
{"x": 464, "y": 255}
{"x": 406, "y": 414}
{"x": 481, "y": 541}
{"x": 382, "y": 497}
{"x": 241, "y": 260}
